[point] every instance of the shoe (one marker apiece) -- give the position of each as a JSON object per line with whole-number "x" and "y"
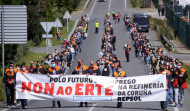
{"x": 59, "y": 105}
{"x": 181, "y": 105}
{"x": 86, "y": 105}
{"x": 119, "y": 106}
{"x": 53, "y": 106}
{"x": 175, "y": 105}
{"x": 26, "y": 107}
{"x": 165, "y": 109}
{"x": 13, "y": 106}
{"x": 9, "y": 106}
{"x": 81, "y": 105}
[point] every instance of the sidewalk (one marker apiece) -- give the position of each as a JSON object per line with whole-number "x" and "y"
{"x": 183, "y": 52}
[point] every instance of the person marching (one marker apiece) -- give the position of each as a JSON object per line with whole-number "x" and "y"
{"x": 93, "y": 69}
{"x": 180, "y": 84}
{"x": 24, "y": 70}
{"x": 127, "y": 51}
{"x": 164, "y": 71}
{"x": 122, "y": 74}
{"x": 96, "y": 27}
{"x": 9, "y": 80}
{"x": 55, "y": 70}
{"x": 81, "y": 70}
{"x": 113, "y": 14}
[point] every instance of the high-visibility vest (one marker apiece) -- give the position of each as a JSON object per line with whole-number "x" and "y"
{"x": 84, "y": 30}
{"x": 97, "y": 25}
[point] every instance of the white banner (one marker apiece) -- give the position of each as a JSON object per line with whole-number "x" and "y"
{"x": 77, "y": 88}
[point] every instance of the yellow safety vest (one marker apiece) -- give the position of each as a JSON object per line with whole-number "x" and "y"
{"x": 84, "y": 29}
{"x": 97, "y": 25}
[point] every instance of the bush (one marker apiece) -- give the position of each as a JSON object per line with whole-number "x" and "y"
{"x": 164, "y": 29}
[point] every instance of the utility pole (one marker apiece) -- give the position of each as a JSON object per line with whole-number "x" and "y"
{"x": 188, "y": 16}
{"x": 2, "y": 39}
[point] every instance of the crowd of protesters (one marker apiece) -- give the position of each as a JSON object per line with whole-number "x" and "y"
{"x": 159, "y": 63}
{"x": 57, "y": 63}
{"x": 108, "y": 64}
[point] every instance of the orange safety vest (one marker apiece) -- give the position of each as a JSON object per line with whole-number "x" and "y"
{"x": 116, "y": 74}
{"x": 183, "y": 81}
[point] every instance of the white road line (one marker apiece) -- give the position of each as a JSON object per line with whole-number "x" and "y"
{"x": 93, "y": 7}
{"x": 109, "y": 5}
{"x": 176, "y": 109}
{"x": 125, "y": 4}
{"x": 93, "y": 106}
{"x": 5, "y": 110}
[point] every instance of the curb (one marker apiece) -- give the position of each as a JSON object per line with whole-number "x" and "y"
{"x": 86, "y": 4}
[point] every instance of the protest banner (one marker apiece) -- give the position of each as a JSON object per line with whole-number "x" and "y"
{"x": 76, "y": 88}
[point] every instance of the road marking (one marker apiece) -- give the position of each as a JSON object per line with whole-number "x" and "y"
{"x": 93, "y": 106}
{"x": 5, "y": 109}
{"x": 93, "y": 7}
{"x": 125, "y": 4}
{"x": 176, "y": 109}
{"x": 109, "y": 5}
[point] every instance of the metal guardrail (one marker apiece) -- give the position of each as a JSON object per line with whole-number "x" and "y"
{"x": 73, "y": 30}
{"x": 86, "y": 4}
{"x": 168, "y": 42}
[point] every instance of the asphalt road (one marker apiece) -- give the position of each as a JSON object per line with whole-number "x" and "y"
{"x": 91, "y": 47}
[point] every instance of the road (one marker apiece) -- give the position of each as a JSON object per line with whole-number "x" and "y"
{"x": 91, "y": 47}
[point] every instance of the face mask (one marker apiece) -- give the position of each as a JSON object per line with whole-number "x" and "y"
{"x": 167, "y": 64}
{"x": 11, "y": 70}
{"x": 110, "y": 58}
{"x": 56, "y": 58}
{"x": 53, "y": 65}
{"x": 55, "y": 51}
{"x": 92, "y": 66}
{"x": 179, "y": 67}
{"x": 24, "y": 69}
{"x": 49, "y": 57}
{"x": 79, "y": 64}
{"x": 102, "y": 62}
{"x": 18, "y": 68}
{"x": 119, "y": 70}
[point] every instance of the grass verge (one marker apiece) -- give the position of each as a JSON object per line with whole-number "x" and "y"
{"x": 187, "y": 68}
{"x": 136, "y": 3}
{"x": 63, "y": 32}
{"x": 162, "y": 29}
{"x": 31, "y": 57}
{"x": 81, "y": 5}
{"x": 2, "y": 90}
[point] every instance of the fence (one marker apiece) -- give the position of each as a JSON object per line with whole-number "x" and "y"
{"x": 179, "y": 25}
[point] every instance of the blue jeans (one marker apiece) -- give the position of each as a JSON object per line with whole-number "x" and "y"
{"x": 137, "y": 53}
{"x": 171, "y": 93}
{"x": 73, "y": 56}
{"x": 116, "y": 20}
{"x": 53, "y": 103}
